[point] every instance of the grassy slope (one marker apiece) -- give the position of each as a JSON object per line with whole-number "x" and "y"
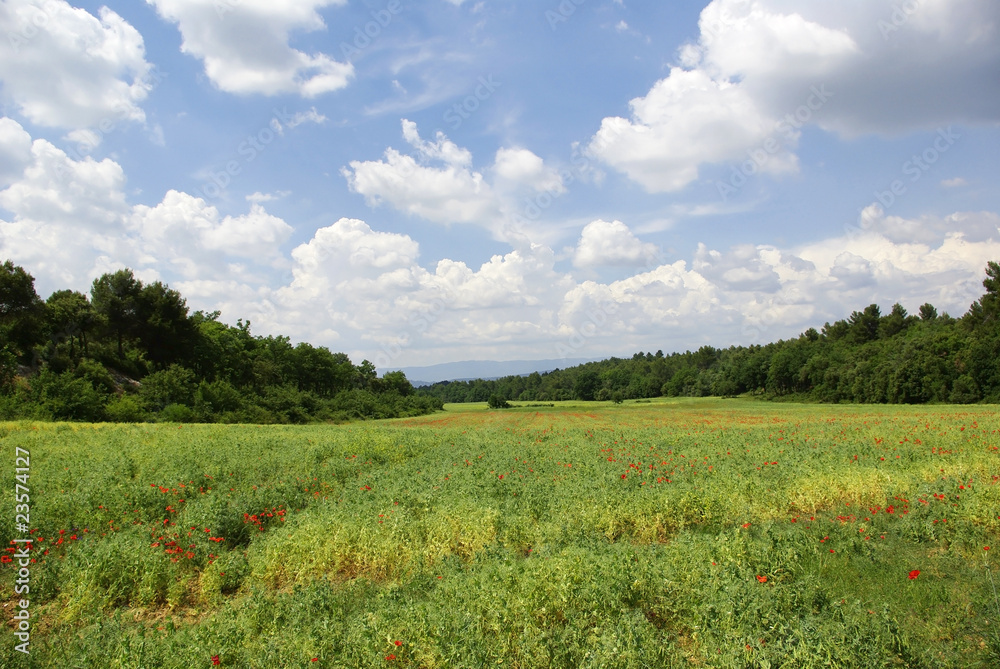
{"x": 580, "y": 535}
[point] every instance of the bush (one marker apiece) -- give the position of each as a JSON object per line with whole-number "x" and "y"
{"x": 126, "y": 409}
{"x": 498, "y": 402}
{"x": 178, "y": 413}
{"x": 66, "y": 397}
{"x": 174, "y": 385}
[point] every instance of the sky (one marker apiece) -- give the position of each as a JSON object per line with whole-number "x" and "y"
{"x": 423, "y": 182}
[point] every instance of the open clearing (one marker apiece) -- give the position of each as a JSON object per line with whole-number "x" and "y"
{"x": 669, "y": 533}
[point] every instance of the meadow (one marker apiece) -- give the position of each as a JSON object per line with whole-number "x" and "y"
{"x": 671, "y": 533}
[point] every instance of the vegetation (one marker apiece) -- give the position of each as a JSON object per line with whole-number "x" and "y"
{"x": 131, "y": 352}
{"x": 896, "y": 358}
{"x": 674, "y": 533}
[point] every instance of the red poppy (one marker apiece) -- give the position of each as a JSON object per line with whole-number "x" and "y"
{"x": 390, "y": 657}
{"x": 914, "y": 574}
{"x": 399, "y": 643}
{"x": 215, "y": 659}
{"x": 762, "y": 579}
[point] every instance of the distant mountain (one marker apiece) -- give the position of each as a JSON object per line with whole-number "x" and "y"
{"x": 483, "y": 369}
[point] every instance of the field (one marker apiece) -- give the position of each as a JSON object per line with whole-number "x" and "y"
{"x": 664, "y": 534}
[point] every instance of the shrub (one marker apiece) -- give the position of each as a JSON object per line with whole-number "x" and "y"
{"x": 498, "y": 402}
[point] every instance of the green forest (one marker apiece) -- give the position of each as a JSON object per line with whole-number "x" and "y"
{"x": 132, "y": 352}
{"x": 870, "y": 357}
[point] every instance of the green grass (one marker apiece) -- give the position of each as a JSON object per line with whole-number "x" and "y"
{"x": 675, "y": 533}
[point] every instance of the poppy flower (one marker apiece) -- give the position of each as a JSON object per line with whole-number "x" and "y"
{"x": 762, "y": 579}
{"x": 390, "y": 657}
{"x": 399, "y": 643}
{"x": 215, "y": 659}
{"x": 914, "y": 574}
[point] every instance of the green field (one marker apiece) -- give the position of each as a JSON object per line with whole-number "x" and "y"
{"x": 671, "y": 533}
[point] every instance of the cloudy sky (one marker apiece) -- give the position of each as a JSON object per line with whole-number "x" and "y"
{"x": 423, "y": 182}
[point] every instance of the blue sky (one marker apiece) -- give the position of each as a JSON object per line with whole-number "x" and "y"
{"x": 507, "y": 180}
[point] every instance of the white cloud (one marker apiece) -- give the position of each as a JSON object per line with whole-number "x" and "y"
{"x": 68, "y": 214}
{"x": 686, "y": 120}
{"x": 366, "y": 292}
{"x": 267, "y": 197}
{"x": 297, "y": 119}
{"x": 187, "y": 232}
{"x": 63, "y": 67}
{"x": 71, "y": 221}
{"x": 15, "y": 150}
{"x": 441, "y": 185}
{"x": 606, "y": 244}
{"x": 957, "y": 182}
{"x": 520, "y": 168}
{"x": 762, "y": 69}
{"x": 244, "y": 44}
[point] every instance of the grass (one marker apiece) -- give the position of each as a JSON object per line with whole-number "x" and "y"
{"x": 674, "y": 533}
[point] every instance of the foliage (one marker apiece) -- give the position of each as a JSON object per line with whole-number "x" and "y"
{"x": 672, "y": 534}
{"x": 867, "y": 358}
{"x": 131, "y": 352}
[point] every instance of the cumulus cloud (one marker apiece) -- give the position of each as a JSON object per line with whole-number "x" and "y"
{"x": 15, "y": 150}
{"x": 762, "y": 69}
{"x": 244, "y": 44}
{"x": 63, "y": 67}
{"x": 368, "y": 292}
{"x": 440, "y": 184}
{"x": 190, "y": 235}
{"x": 71, "y": 221}
{"x": 605, "y": 244}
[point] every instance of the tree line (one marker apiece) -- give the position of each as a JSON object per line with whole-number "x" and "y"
{"x": 132, "y": 352}
{"x": 870, "y": 357}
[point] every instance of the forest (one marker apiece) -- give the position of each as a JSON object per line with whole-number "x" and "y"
{"x": 870, "y": 357}
{"x": 132, "y": 352}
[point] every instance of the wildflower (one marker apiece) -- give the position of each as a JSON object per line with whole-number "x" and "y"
{"x": 762, "y": 579}
{"x": 914, "y": 574}
{"x": 215, "y": 659}
{"x": 399, "y": 643}
{"x": 390, "y": 657}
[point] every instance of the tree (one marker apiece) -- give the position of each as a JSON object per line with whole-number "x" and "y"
{"x": 116, "y": 299}
{"x": 70, "y": 316}
{"x": 864, "y": 324}
{"x": 894, "y": 323}
{"x": 497, "y": 402}
{"x": 586, "y": 385}
{"x": 396, "y": 382}
{"x": 21, "y": 310}
{"x": 928, "y": 312}
{"x": 162, "y": 325}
